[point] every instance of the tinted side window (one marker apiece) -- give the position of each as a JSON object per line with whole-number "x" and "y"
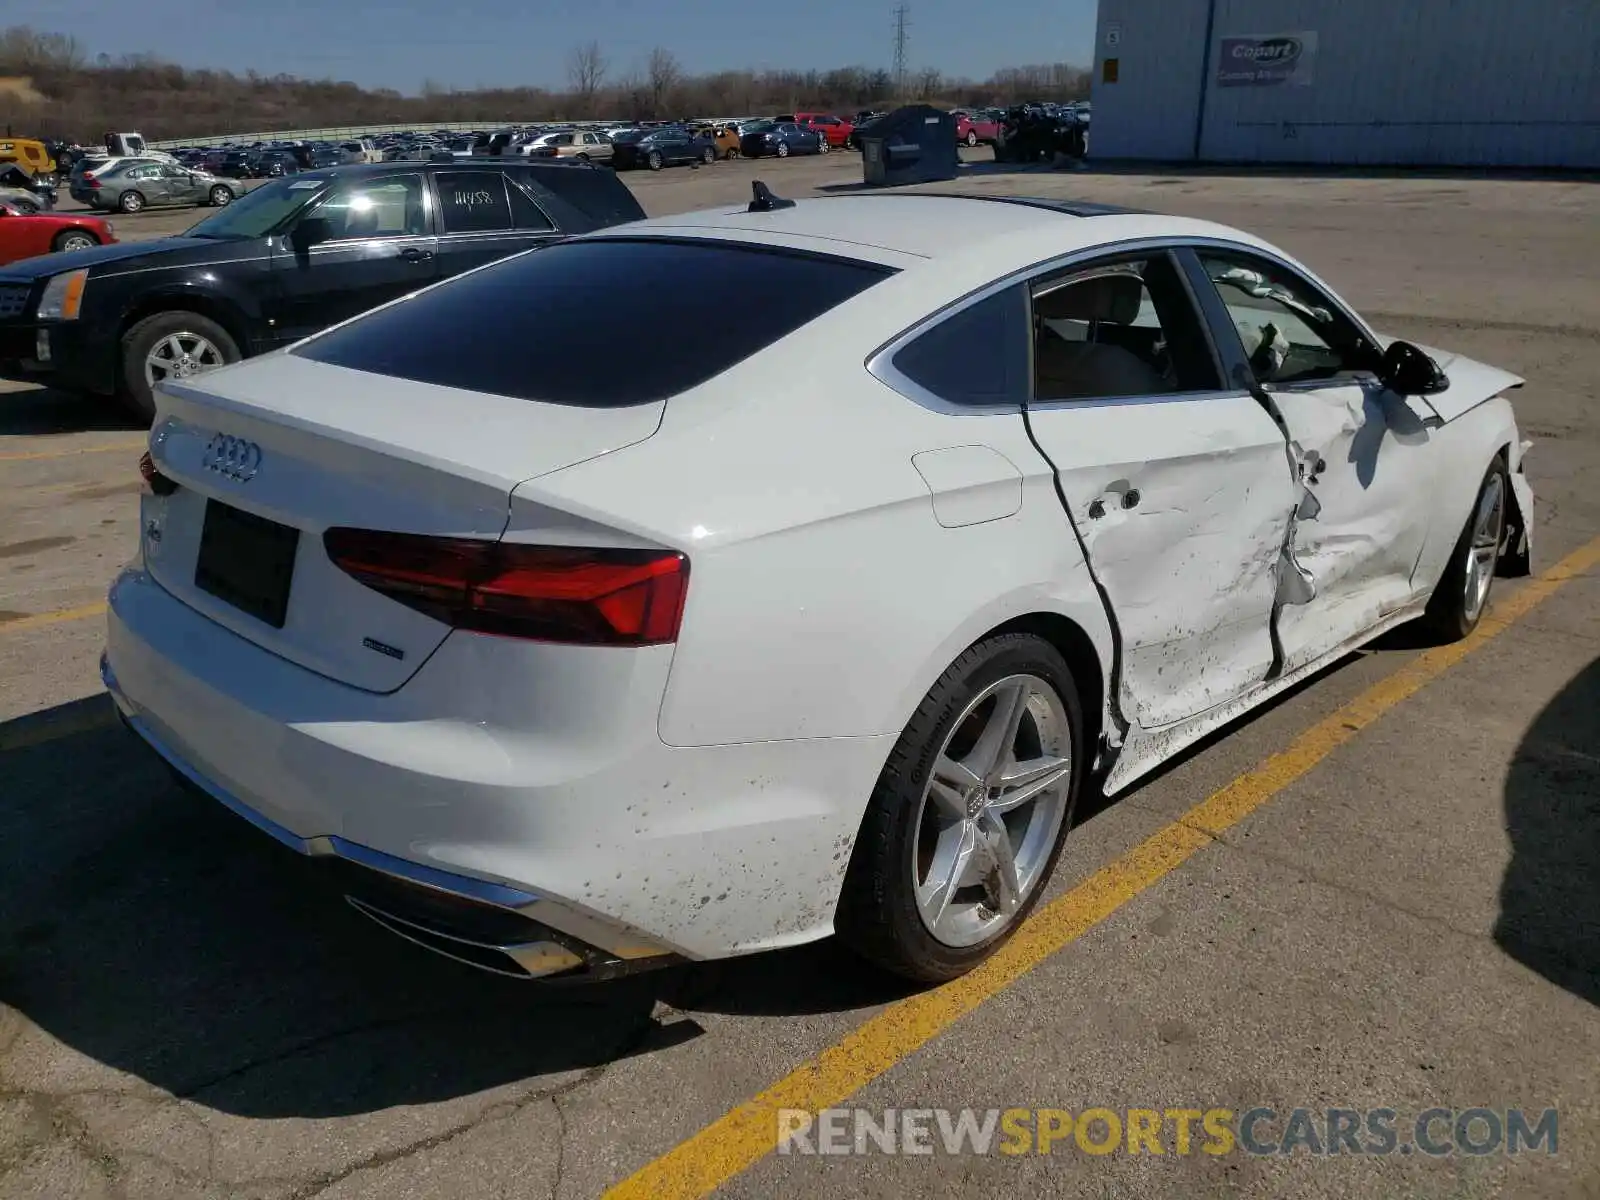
{"x": 473, "y": 201}
{"x": 977, "y": 357}
{"x": 1119, "y": 328}
{"x": 576, "y": 295}
{"x": 390, "y": 206}
{"x": 525, "y": 214}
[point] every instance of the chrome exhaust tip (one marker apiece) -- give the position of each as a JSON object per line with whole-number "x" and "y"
{"x": 519, "y": 960}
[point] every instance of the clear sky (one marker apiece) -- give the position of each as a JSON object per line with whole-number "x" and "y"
{"x": 467, "y": 43}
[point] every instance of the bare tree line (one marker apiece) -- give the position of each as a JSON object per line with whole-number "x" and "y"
{"x": 49, "y": 87}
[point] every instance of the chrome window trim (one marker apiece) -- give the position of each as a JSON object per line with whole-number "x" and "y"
{"x": 880, "y": 363}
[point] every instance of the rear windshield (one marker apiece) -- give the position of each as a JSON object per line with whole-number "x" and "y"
{"x": 690, "y": 309}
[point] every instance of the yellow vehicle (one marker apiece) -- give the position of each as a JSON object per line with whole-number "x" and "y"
{"x": 27, "y": 152}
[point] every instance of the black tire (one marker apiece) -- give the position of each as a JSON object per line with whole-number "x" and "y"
{"x": 131, "y": 201}
{"x": 732, "y": 154}
{"x": 69, "y": 240}
{"x": 220, "y": 196}
{"x": 878, "y": 916}
{"x": 135, "y": 393}
{"x": 971, "y": 138}
{"x": 655, "y": 162}
{"x": 1449, "y": 616}
{"x": 709, "y": 157}
{"x": 782, "y": 150}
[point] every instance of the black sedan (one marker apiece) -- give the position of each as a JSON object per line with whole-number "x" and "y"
{"x": 657, "y": 148}
{"x": 780, "y": 139}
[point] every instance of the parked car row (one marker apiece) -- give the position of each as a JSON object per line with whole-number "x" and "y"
{"x": 293, "y": 256}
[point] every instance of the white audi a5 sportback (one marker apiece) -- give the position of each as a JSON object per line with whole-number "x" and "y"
{"x": 719, "y": 582}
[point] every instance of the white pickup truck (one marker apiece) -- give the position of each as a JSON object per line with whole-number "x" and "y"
{"x": 360, "y": 150}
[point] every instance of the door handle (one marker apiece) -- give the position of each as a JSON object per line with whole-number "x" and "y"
{"x": 412, "y": 254}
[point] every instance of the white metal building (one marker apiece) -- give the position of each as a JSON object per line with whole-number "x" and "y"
{"x": 1437, "y": 82}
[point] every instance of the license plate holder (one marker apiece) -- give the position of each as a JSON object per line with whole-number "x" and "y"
{"x": 247, "y": 561}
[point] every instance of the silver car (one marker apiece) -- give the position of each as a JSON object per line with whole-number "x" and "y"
{"x": 134, "y": 186}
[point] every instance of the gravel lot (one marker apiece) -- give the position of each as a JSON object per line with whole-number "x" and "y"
{"x": 1408, "y": 916}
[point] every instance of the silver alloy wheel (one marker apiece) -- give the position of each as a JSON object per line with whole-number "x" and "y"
{"x": 992, "y": 810}
{"x": 221, "y": 197}
{"x": 783, "y": 149}
{"x": 1483, "y": 547}
{"x": 178, "y": 356}
{"x": 77, "y": 241}
{"x": 132, "y": 202}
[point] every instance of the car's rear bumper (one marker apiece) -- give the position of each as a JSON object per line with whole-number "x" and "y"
{"x": 611, "y": 846}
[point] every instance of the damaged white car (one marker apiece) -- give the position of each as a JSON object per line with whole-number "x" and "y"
{"x": 653, "y": 649}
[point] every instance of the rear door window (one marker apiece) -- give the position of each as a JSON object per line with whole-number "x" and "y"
{"x": 471, "y": 332}
{"x": 473, "y": 201}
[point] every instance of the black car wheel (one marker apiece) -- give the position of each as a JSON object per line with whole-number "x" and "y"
{"x": 221, "y": 196}
{"x": 783, "y": 150}
{"x": 131, "y": 202}
{"x": 969, "y": 814}
{"x": 26, "y": 207}
{"x": 654, "y": 162}
{"x": 972, "y": 138}
{"x": 709, "y": 157}
{"x": 822, "y": 145}
{"x": 170, "y": 345}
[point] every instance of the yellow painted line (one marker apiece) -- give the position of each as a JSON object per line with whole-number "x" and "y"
{"x": 18, "y": 624}
{"x": 39, "y": 455}
{"x": 741, "y": 1138}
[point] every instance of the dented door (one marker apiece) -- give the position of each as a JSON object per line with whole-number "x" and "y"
{"x": 1359, "y": 452}
{"x": 1368, "y": 474}
{"x": 1179, "y": 487}
{"x": 1183, "y": 505}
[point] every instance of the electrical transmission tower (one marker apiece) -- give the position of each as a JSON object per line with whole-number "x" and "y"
{"x": 902, "y": 25}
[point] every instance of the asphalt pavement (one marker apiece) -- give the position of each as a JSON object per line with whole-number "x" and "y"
{"x": 1382, "y": 893}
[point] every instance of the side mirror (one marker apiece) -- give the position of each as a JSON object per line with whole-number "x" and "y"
{"x": 311, "y": 231}
{"x": 1407, "y": 371}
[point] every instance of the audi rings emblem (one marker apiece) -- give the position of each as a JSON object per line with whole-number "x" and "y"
{"x": 232, "y": 458}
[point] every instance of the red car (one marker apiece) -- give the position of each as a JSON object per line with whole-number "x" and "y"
{"x": 970, "y": 129}
{"x": 44, "y": 233}
{"x": 836, "y": 130}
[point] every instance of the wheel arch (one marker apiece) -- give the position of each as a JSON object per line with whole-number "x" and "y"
{"x": 1074, "y": 644}
{"x": 220, "y": 309}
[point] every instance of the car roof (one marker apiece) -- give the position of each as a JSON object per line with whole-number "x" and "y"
{"x": 902, "y": 228}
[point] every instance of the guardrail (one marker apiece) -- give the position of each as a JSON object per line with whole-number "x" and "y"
{"x": 336, "y": 133}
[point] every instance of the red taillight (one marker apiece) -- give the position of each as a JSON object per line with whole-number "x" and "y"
{"x": 91, "y": 181}
{"x": 546, "y": 593}
{"x": 158, "y": 483}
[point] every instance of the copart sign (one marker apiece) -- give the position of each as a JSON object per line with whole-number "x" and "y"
{"x": 1269, "y": 59}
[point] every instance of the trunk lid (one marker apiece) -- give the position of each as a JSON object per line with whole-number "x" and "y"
{"x": 316, "y": 446}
